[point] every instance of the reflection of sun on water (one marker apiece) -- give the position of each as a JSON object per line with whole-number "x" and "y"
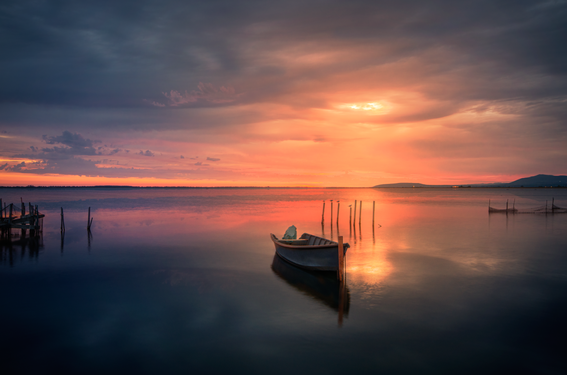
{"x": 366, "y": 262}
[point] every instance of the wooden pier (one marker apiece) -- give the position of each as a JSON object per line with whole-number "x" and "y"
{"x": 17, "y": 217}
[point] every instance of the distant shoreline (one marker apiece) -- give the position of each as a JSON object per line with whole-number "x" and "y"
{"x": 281, "y": 187}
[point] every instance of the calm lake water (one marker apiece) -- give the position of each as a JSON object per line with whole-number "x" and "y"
{"x": 185, "y": 281}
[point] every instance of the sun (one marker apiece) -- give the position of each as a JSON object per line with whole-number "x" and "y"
{"x": 367, "y": 106}
{"x": 370, "y": 108}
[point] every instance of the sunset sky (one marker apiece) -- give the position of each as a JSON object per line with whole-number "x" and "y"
{"x": 281, "y": 93}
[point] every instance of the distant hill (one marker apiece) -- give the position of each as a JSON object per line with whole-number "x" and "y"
{"x": 541, "y": 180}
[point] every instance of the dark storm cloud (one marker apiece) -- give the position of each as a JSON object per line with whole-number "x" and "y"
{"x": 77, "y": 145}
{"x": 127, "y": 53}
{"x": 72, "y": 145}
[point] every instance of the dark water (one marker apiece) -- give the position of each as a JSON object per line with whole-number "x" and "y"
{"x": 184, "y": 281}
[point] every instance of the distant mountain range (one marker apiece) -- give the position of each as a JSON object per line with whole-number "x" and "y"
{"x": 541, "y": 180}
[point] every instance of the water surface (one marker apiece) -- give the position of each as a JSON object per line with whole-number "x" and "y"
{"x": 185, "y": 281}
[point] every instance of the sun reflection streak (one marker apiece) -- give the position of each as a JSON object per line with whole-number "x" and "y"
{"x": 367, "y": 262}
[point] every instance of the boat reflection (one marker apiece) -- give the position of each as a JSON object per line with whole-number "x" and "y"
{"x": 321, "y": 286}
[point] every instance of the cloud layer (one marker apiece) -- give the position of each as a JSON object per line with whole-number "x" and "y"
{"x": 374, "y": 91}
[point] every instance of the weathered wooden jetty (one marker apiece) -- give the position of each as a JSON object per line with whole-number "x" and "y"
{"x": 17, "y": 217}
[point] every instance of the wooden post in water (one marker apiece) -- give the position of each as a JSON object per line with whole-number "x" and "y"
{"x": 360, "y": 214}
{"x": 11, "y": 209}
{"x": 350, "y": 216}
{"x": 323, "y": 216}
{"x": 373, "y": 212}
{"x": 90, "y": 221}
{"x": 341, "y": 259}
{"x": 354, "y": 221}
{"x": 338, "y": 208}
{"x": 62, "y": 221}
{"x": 331, "y": 214}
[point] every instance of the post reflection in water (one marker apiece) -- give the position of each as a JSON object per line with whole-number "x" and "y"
{"x": 89, "y": 239}
{"x": 322, "y": 287}
{"x": 13, "y": 250}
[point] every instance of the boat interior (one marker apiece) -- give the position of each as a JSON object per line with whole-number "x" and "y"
{"x": 308, "y": 240}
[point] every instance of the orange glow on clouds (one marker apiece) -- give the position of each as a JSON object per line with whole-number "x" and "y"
{"x": 358, "y": 95}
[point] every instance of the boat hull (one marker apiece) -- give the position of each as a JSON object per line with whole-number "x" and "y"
{"x": 315, "y": 253}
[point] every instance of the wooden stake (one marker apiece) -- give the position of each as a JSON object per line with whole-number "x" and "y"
{"x": 341, "y": 259}
{"x": 354, "y": 221}
{"x": 323, "y": 216}
{"x": 373, "y": 212}
{"x": 338, "y": 208}
{"x": 350, "y": 216}
{"x": 90, "y": 221}
{"x": 360, "y": 214}
{"x": 331, "y": 214}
